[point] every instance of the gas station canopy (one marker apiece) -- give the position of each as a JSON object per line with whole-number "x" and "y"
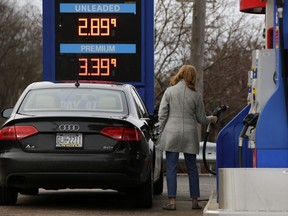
{"x": 253, "y": 6}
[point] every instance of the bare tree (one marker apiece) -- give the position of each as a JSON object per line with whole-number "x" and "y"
{"x": 172, "y": 26}
{"x": 230, "y": 39}
{"x": 21, "y": 50}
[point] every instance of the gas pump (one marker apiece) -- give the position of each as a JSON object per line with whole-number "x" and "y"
{"x": 252, "y": 149}
{"x": 260, "y": 90}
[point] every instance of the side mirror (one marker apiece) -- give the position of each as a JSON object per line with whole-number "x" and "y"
{"x": 6, "y": 113}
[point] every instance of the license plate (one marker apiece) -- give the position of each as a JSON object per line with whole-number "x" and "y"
{"x": 69, "y": 140}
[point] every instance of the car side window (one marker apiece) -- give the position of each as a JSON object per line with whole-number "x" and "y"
{"x": 141, "y": 109}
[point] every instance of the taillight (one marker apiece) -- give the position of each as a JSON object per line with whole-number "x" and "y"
{"x": 122, "y": 133}
{"x": 17, "y": 132}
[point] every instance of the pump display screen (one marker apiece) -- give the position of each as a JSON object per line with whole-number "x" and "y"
{"x": 98, "y": 40}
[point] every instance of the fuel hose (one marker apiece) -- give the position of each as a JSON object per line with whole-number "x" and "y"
{"x": 204, "y": 151}
{"x": 217, "y": 112}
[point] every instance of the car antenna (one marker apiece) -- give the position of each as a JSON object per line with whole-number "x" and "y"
{"x": 77, "y": 84}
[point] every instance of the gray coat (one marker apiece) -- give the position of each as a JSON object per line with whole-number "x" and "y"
{"x": 179, "y": 112}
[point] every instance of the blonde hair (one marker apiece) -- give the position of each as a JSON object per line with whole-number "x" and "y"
{"x": 188, "y": 73}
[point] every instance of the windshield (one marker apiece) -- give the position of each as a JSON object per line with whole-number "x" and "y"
{"x": 72, "y": 99}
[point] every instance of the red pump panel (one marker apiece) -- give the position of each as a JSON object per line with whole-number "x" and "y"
{"x": 270, "y": 38}
{"x": 253, "y": 6}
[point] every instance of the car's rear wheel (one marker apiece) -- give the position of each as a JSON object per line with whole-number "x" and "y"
{"x": 8, "y": 196}
{"x": 158, "y": 185}
{"x": 32, "y": 191}
{"x": 142, "y": 196}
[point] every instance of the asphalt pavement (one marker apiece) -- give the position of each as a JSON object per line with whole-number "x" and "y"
{"x": 183, "y": 201}
{"x": 107, "y": 203}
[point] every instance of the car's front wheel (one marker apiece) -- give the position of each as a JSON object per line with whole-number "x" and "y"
{"x": 8, "y": 196}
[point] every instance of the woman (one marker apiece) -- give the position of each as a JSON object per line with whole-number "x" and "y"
{"x": 181, "y": 109}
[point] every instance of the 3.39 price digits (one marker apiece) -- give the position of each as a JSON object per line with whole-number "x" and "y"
{"x": 96, "y": 26}
{"x": 96, "y": 66}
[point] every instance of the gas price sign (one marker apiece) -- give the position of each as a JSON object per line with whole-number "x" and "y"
{"x": 98, "y": 40}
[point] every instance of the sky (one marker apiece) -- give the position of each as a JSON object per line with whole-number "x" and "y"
{"x": 37, "y": 3}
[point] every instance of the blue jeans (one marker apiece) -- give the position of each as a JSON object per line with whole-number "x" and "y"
{"x": 171, "y": 174}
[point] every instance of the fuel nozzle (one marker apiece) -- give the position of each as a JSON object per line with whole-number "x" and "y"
{"x": 218, "y": 110}
{"x": 249, "y": 121}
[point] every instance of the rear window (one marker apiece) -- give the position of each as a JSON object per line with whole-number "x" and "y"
{"x": 73, "y": 99}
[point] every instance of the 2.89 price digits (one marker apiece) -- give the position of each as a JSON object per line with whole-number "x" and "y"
{"x": 96, "y": 66}
{"x": 96, "y": 26}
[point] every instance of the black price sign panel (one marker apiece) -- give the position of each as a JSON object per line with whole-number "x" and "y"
{"x": 98, "y": 40}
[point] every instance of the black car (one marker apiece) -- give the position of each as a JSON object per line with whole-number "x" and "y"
{"x": 79, "y": 135}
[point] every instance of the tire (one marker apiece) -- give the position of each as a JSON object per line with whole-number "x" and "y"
{"x": 158, "y": 185}
{"x": 8, "y": 196}
{"x": 142, "y": 196}
{"x": 32, "y": 192}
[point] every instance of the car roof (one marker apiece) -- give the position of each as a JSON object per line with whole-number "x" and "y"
{"x": 48, "y": 85}
{"x": 79, "y": 84}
